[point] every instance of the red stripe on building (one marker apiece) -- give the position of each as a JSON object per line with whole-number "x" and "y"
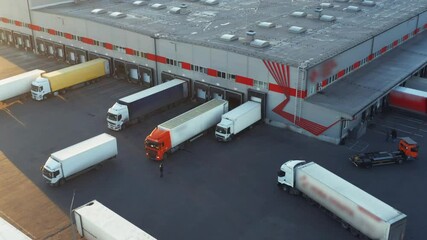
{"x": 185, "y": 65}
{"x": 51, "y": 31}
{"x": 150, "y": 56}
{"x": 383, "y": 50}
{"x": 324, "y": 82}
{"x": 18, "y": 23}
{"x": 5, "y": 20}
{"x": 87, "y": 40}
{"x": 416, "y": 31}
{"x": 108, "y": 46}
{"x": 161, "y": 59}
{"x": 405, "y": 37}
{"x": 370, "y": 57}
{"x": 244, "y": 80}
{"x": 213, "y": 72}
{"x": 68, "y": 36}
{"x": 395, "y": 43}
{"x": 340, "y": 73}
{"x": 356, "y": 65}
{"x": 366, "y": 212}
{"x": 34, "y": 27}
{"x": 276, "y": 88}
{"x": 130, "y": 51}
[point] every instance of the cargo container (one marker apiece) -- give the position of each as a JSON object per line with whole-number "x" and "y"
{"x": 18, "y": 85}
{"x": 408, "y": 99}
{"x": 237, "y": 120}
{"x": 360, "y": 212}
{"x": 81, "y": 157}
{"x": 9, "y": 232}
{"x": 131, "y": 109}
{"x": 168, "y": 136}
{"x": 95, "y": 221}
{"x": 60, "y": 80}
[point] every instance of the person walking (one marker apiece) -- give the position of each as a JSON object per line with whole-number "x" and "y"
{"x": 393, "y": 135}
{"x": 161, "y": 169}
{"x": 387, "y": 135}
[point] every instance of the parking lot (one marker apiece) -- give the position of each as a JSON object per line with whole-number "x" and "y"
{"x": 210, "y": 190}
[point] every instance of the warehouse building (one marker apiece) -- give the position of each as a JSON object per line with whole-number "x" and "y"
{"x": 323, "y": 69}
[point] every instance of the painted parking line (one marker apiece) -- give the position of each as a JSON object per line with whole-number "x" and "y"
{"x": 357, "y": 146}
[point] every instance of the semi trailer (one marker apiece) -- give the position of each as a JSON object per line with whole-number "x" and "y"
{"x": 131, "y": 109}
{"x": 358, "y": 211}
{"x": 9, "y": 232}
{"x": 62, "y": 79}
{"x": 168, "y": 136}
{"x": 237, "y": 120}
{"x": 409, "y": 99}
{"x": 407, "y": 149}
{"x": 79, "y": 158}
{"x": 95, "y": 221}
{"x": 18, "y": 85}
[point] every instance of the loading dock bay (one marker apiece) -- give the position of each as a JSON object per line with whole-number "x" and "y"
{"x": 210, "y": 190}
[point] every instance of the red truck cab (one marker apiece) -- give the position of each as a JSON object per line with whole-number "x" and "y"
{"x": 409, "y": 147}
{"x": 157, "y": 144}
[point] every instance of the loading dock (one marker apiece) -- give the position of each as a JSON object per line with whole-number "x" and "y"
{"x": 41, "y": 47}
{"x": 19, "y": 41}
{"x": 261, "y": 97}
{"x": 92, "y": 56}
{"x": 201, "y": 91}
{"x": 147, "y": 77}
{"x": 234, "y": 98}
{"x": 119, "y": 70}
{"x": 216, "y": 92}
{"x": 28, "y": 42}
{"x": 59, "y": 52}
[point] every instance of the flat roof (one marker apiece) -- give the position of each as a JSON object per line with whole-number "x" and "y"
{"x": 204, "y": 24}
{"x": 357, "y": 91}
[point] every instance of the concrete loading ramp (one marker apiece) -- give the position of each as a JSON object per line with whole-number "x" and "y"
{"x": 27, "y": 208}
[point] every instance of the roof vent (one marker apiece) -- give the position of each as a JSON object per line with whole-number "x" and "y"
{"x": 368, "y": 3}
{"x": 117, "y": 15}
{"x": 158, "y": 6}
{"x": 175, "y": 10}
{"x": 250, "y": 36}
{"x": 98, "y": 11}
{"x": 258, "y": 43}
{"x": 318, "y": 11}
{"x": 228, "y": 37}
{"x": 352, "y": 9}
{"x": 210, "y": 2}
{"x": 266, "y": 25}
{"x": 183, "y": 5}
{"x": 192, "y": 0}
{"x": 327, "y": 18}
{"x": 296, "y": 29}
{"x": 140, "y": 3}
{"x": 326, "y": 5}
{"x": 298, "y": 14}
{"x": 343, "y": 1}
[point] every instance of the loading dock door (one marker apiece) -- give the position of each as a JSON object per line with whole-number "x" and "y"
{"x": 169, "y": 76}
{"x": 19, "y": 42}
{"x": 3, "y": 39}
{"x": 51, "y": 53}
{"x": 70, "y": 55}
{"x": 259, "y": 96}
{"x": 234, "y": 99}
{"x": 132, "y": 73}
{"x": 28, "y": 42}
{"x": 9, "y": 37}
{"x": 41, "y": 47}
{"x": 82, "y": 56}
{"x": 59, "y": 49}
{"x": 119, "y": 69}
{"x": 201, "y": 91}
{"x": 147, "y": 78}
{"x": 92, "y": 56}
{"x": 216, "y": 92}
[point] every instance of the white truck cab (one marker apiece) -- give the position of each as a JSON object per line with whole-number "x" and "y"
{"x": 40, "y": 88}
{"x": 285, "y": 176}
{"x": 52, "y": 172}
{"x": 224, "y": 129}
{"x": 117, "y": 116}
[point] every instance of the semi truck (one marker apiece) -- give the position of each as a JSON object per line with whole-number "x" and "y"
{"x": 407, "y": 149}
{"x": 8, "y": 232}
{"x": 18, "y": 85}
{"x": 79, "y": 158}
{"x": 131, "y": 109}
{"x": 60, "y": 80}
{"x": 237, "y": 120}
{"x": 95, "y": 221}
{"x": 357, "y": 210}
{"x": 169, "y": 136}
{"x": 409, "y": 99}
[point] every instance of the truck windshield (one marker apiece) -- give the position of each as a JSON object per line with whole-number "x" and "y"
{"x": 113, "y": 117}
{"x": 47, "y": 173}
{"x": 152, "y": 144}
{"x": 35, "y": 88}
{"x": 221, "y": 130}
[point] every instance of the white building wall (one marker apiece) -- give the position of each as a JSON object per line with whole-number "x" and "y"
{"x": 15, "y": 10}
{"x": 393, "y": 34}
{"x": 422, "y": 20}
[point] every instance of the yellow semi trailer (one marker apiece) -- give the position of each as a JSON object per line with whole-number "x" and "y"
{"x": 62, "y": 79}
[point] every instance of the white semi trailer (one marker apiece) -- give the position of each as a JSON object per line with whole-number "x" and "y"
{"x": 9, "y": 232}
{"x": 18, "y": 85}
{"x": 360, "y": 212}
{"x": 237, "y": 120}
{"x": 95, "y": 221}
{"x": 81, "y": 157}
{"x": 168, "y": 136}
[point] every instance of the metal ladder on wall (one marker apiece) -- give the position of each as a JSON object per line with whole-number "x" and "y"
{"x": 302, "y": 71}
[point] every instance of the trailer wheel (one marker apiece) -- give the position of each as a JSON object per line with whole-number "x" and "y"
{"x": 344, "y": 225}
{"x": 400, "y": 161}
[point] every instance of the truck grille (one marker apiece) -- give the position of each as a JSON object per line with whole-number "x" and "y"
{"x": 151, "y": 154}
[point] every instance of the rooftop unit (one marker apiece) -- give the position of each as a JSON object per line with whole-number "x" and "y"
{"x": 327, "y": 18}
{"x": 368, "y": 3}
{"x": 117, "y": 15}
{"x": 352, "y": 9}
{"x": 266, "y": 25}
{"x": 158, "y": 6}
{"x": 229, "y": 37}
{"x": 326, "y": 5}
{"x": 210, "y": 2}
{"x": 299, "y": 14}
{"x": 98, "y": 11}
{"x": 175, "y": 10}
{"x": 296, "y": 29}
{"x": 140, "y": 3}
{"x": 258, "y": 43}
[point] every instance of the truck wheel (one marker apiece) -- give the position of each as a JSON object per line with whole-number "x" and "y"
{"x": 344, "y": 225}
{"x": 400, "y": 161}
{"x": 61, "y": 182}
